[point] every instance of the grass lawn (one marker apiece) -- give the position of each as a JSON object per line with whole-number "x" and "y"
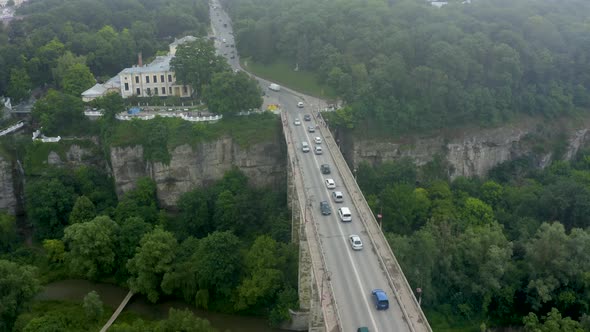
{"x": 282, "y": 72}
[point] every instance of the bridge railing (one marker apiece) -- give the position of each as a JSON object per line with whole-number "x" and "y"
{"x": 320, "y": 271}
{"x": 404, "y": 295}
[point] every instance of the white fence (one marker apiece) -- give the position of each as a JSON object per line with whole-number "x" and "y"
{"x": 93, "y": 113}
{"x": 125, "y": 117}
{"x": 44, "y": 139}
{"x": 12, "y": 128}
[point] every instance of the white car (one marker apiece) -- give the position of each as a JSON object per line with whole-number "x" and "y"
{"x": 330, "y": 184}
{"x": 297, "y": 122}
{"x": 300, "y": 104}
{"x": 317, "y": 140}
{"x": 355, "y": 242}
{"x": 317, "y": 149}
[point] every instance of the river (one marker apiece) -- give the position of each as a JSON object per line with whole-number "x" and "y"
{"x": 111, "y": 295}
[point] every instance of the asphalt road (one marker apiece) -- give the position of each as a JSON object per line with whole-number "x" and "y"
{"x": 353, "y": 273}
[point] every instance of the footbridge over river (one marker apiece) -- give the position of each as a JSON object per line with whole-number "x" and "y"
{"x": 335, "y": 281}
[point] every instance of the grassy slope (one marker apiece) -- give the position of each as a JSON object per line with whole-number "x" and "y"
{"x": 282, "y": 72}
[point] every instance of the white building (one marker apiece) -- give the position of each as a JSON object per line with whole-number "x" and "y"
{"x": 153, "y": 79}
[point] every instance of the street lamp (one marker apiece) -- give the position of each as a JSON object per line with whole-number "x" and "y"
{"x": 419, "y": 291}
{"x": 354, "y": 171}
{"x": 380, "y": 218}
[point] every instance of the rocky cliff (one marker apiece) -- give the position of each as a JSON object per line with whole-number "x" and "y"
{"x": 474, "y": 152}
{"x": 262, "y": 163}
{"x": 8, "y": 194}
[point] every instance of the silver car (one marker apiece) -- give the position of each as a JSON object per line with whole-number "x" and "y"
{"x": 355, "y": 242}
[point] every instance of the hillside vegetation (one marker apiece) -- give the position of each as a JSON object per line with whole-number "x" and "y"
{"x": 406, "y": 65}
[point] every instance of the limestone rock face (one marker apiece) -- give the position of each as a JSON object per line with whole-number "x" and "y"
{"x": 189, "y": 168}
{"x": 470, "y": 153}
{"x": 8, "y": 194}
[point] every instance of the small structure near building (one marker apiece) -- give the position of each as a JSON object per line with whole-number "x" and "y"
{"x": 12, "y": 128}
{"x": 37, "y": 136}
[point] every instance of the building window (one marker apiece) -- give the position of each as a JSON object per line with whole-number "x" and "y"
{"x": 149, "y": 91}
{"x": 136, "y": 79}
{"x": 155, "y": 79}
{"x": 156, "y": 91}
{"x": 126, "y": 86}
{"x": 138, "y": 92}
{"x": 147, "y": 78}
{"x": 170, "y": 90}
{"x": 169, "y": 78}
{"x": 162, "y": 78}
{"x": 163, "y": 90}
{"x": 184, "y": 90}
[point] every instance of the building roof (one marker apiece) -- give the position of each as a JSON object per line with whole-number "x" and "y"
{"x": 160, "y": 64}
{"x": 113, "y": 83}
{"x": 95, "y": 91}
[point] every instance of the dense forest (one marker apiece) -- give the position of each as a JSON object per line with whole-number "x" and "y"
{"x": 227, "y": 248}
{"x": 405, "y": 65}
{"x": 503, "y": 251}
{"x": 61, "y": 40}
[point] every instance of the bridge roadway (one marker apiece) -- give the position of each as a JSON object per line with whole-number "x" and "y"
{"x": 352, "y": 274}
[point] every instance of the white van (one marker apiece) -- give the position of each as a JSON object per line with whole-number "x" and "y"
{"x": 344, "y": 214}
{"x": 274, "y": 87}
{"x": 304, "y": 147}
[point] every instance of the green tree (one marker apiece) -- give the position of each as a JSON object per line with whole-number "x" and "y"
{"x": 19, "y": 86}
{"x": 219, "y": 263}
{"x": 18, "y": 285}
{"x": 185, "y": 321}
{"x": 60, "y": 114}
{"x": 230, "y": 93}
{"x": 196, "y": 62}
{"x": 139, "y": 202}
{"x": 77, "y": 79}
{"x": 476, "y": 212}
{"x": 92, "y": 247}
{"x": 49, "y": 203}
{"x": 93, "y": 306}
{"x": 194, "y": 219}
{"x": 153, "y": 259}
{"x": 553, "y": 322}
{"x": 8, "y": 234}
{"x": 264, "y": 264}
{"x": 82, "y": 211}
{"x": 64, "y": 63}
{"x": 132, "y": 231}
{"x": 55, "y": 250}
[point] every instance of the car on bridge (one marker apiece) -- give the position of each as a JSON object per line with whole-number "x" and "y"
{"x": 317, "y": 140}
{"x": 297, "y": 122}
{"x": 330, "y": 184}
{"x": 338, "y": 196}
{"x": 304, "y": 146}
{"x": 325, "y": 168}
{"x": 345, "y": 214}
{"x": 355, "y": 242}
{"x": 317, "y": 149}
{"x": 300, "y": 104}
{"x": 325, "y": 208}
{"x": 380, "y": 299}
{"x": 307, "y": 117}
{"x": 311, "y": 129}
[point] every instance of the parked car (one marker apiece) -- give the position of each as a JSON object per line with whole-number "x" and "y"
{"x": 325, "y": 168}
{"x": 311, "y": 129}
{"x": 297, "y": 122}
{"x": 325, "y": 208}
{"x": 355, "y": 242}
{"x": 307, "y": 117}
{"x": 330, "y": 184}
{"x": 380, "y": 299}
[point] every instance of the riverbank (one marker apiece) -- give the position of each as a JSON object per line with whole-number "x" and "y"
{"x": 111, "y": 295}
